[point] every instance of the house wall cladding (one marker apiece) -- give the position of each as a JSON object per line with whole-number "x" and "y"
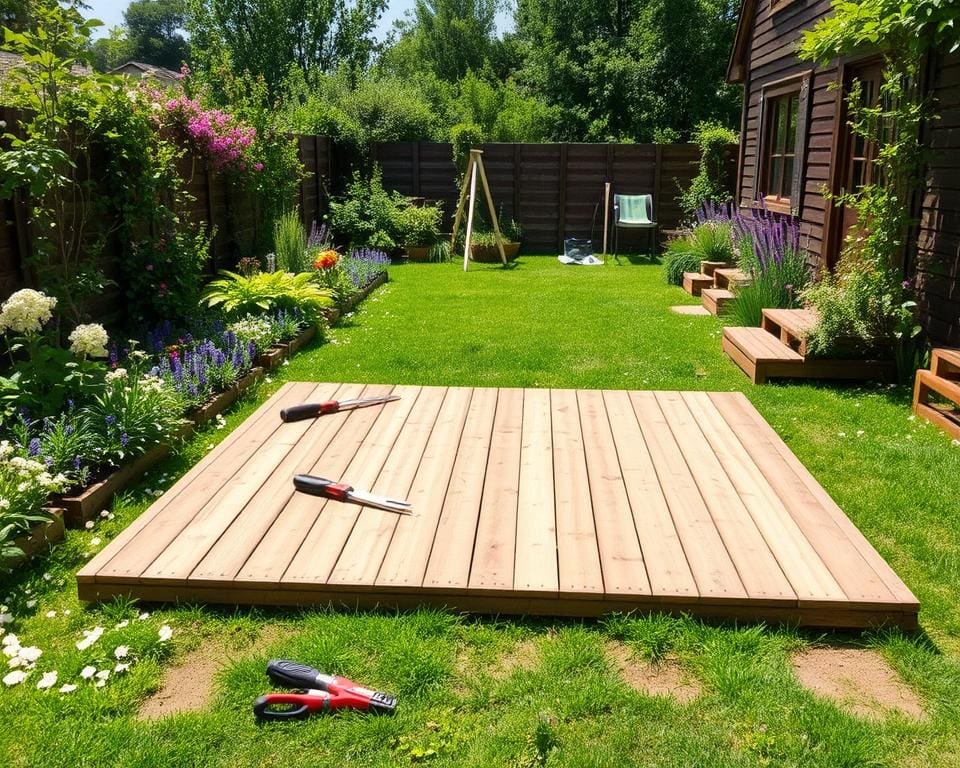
{"x": 935, "y": 255}
{"x": 553, "y": 190}
{"x": 216, "y": 202}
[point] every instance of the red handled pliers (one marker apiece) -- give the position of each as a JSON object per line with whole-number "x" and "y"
{"x": 312, "y": 410}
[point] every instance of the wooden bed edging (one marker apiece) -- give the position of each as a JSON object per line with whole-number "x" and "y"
{"x": 41, "y": 537}
{"x": 350, "y": 304}
{"x": 225, "y": 399}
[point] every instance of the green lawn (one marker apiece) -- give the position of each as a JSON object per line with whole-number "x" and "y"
{"x": 491, "y": 692}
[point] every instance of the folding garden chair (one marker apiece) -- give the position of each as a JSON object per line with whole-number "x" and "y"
{"x": 633, "y": 212}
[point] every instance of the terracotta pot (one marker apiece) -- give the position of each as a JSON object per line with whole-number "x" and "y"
{"x": 489, "y": 254}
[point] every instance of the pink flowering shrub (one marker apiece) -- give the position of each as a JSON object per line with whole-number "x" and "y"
{"x": 215, "y": 134}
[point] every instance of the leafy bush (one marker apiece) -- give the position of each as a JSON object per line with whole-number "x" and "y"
{"x": 464, "y": 137}
{"x": 239, "y": 295}
{"x": 25, "y": 485}
{"x": 418, "y": 226}
{"x": 366, "y": 214}
{"x": 712, "y": 183}
{"x": 290, "y": 243}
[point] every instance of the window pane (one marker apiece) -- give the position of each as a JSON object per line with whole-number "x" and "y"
{"x": 776, "y": 175}
{"x": 786, "y": 187}
{"x": 780, "y": 125}
{"x": 857, "y": 175}
{"x": 794, "y": 104}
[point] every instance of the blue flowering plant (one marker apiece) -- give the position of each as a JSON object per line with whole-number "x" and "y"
{"x": 65, "y": 444}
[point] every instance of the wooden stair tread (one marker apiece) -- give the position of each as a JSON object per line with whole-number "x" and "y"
{"x": 942, "y": 358}
{"x": 724, "y": 278}
{"x": 944, "y": 387}
{"x": 797, "y": 322}
{"x": 694, "y": 282}
{"x": 760, "y": 346}
{"x": 718, "y": 293}
{"x": 709, "y": 267}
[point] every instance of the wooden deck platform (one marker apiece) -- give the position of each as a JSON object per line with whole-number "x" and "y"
{"x": 552, "y": 502}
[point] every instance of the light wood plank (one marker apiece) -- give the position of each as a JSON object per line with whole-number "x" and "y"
{"x": 493, "y": 552}
{"x": 759, "y": 570}
{"x": 145, "y": 546}
{"x": 535, "y": 560}
{"x": 709, "y": 561}
{"x": 208, "y": 524}
{"x": 227, "y": 556}
{"x": 662, "y": 549}
{"x": 449, "y": 565}
{"x": 580, "y": 572}
{"x": 809, "y": 577}
{"x": 264, "y": 412}
{"x": 357, "y": 454}
{"x": 324, "y": 544}
{"x": 624, "y": 571}
{"x": 405, "y": 560}
{"x": 862, "y": 574}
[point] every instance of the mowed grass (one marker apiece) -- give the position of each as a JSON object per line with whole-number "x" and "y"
{"x": 462, "y": 704}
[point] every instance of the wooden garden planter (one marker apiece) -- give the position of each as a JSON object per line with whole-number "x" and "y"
{"x": 418, "y": 252}
{"x": 41, "y": 538}
{"x": 490, "y": 254}
{"x": 225, "y": 399}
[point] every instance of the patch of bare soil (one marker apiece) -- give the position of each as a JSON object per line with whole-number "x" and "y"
{"x": 523, "y": 655}
{"x": 858, "y": 679}
{"x": 663, "y": 678}
{"x": 189, "y": 686}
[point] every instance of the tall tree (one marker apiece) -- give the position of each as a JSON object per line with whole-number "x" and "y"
{"x": 154, "y": 31}
{"x": 18, "y": 14}
{"x": 628, "y": 69}
{"x": 452, "y": 37}
{"x": 268, "y": 37}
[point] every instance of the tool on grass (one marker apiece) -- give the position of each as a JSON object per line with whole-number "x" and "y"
{"x": 320, "y": 486}
{"x": 312, "y": 410}
{"x": 316, "y": 692}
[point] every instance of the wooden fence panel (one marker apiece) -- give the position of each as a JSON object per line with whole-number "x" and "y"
{"x": 554, "y": 190}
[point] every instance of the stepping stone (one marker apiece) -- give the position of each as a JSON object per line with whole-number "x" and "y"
{"x": 690, "y": 309}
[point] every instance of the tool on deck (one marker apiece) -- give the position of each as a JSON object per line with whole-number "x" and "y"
{"x": 316, "y": 692}
{"x": 320, "y": 486}
{"x": 312, "y": 410}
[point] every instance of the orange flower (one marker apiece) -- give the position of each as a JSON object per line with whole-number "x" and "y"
{"x": 326, "y": 259}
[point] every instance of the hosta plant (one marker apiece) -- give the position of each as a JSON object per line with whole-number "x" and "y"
{"x": 238, "y": 295}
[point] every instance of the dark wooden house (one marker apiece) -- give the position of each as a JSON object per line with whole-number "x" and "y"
{"x": 795, "y": 141}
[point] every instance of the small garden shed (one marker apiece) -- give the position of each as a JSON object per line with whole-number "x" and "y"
{"x": 796, "y": 143}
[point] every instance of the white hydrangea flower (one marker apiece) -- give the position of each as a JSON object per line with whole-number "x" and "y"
{"x": 5, "y": 618}
{"x": 87, "y": 672}
{"x": 68, "y": 688}
{"x": 15, "y": 678}
{"x": 10, "y": 639}
{"x": 48, "y": 680}
{"x": 26, "y": 311}
{"x": 116, "y": 375}
{"x": 89, "y": 340}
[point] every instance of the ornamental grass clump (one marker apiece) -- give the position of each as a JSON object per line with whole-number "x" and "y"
{"x": 290, "y": 244}
{"x": 708, "y": 240}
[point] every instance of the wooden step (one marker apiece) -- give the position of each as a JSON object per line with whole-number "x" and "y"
{"x": 729, "y": 278}
{"x": 945, "y": 363}
{"x": 791, "y": 326}
{"x": 759, "y": 354}
{"x": 945, "y": 417}
{"x": 715, "y": 299}
{"x": 709, "y": 267}
{"x": 694, "y": 282}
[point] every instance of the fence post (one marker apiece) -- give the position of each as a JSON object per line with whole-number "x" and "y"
{"x": 562, "y": 218}
{"x": 658, "y": 165}
{"x": 517, "y": 168}
{"x": 316, "y": 178}
{"x": 415, "y": 169}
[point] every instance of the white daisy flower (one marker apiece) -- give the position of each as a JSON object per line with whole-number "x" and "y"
{"x": 121, "y": 651}
{"x": 90, "y": 637}
{"x": 47, "y": 577}
{"x": 165, "y": 633}
{"x": 67, "y": 688}
{"x": 104, "y": 514}
{"x": 88, "y": 525}
{"x": 31, "y": 603}
{"x": 48, "y": 680}
{"x": 87, "y": 672}
{"x": 95, "y": 541}
{"x": 144, "y": 616}
{"x": 51, "y": 614}
{"x": 121, "y": 667}
{"x": 100, "y": 683}
{"x": 30, "y": 654}
{"x": 15, "y": 678}
{"x": 103, "y": 674}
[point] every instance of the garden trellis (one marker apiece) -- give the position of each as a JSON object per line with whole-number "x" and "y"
{"x": 469, "y": 191}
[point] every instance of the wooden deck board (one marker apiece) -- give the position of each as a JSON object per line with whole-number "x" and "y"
{"x": 557, "y": 502}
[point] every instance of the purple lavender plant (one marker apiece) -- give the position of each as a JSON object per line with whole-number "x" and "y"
{"x": 364, "y": 264}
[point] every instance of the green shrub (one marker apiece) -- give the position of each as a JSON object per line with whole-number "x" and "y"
{"x": 710, "y": 241}
{"x": 713, "y": 182}
{"x": 239, "y": 295}
{"x": 418, "y": 226}
{"x": 290, "y": 243}
{"x": 464, "y": 137}
{"x": 366, "y": 214}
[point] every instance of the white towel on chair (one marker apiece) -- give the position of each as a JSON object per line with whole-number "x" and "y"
{"x": 586, "y": 261}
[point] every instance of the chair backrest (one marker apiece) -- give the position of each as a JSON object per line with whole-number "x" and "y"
{"x": 634, "y": 209}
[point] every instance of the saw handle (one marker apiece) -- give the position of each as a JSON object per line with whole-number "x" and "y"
{"x": 290, "y": 674}
{"x": 320, "y": 486}
{"x": 308, "y": 411}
